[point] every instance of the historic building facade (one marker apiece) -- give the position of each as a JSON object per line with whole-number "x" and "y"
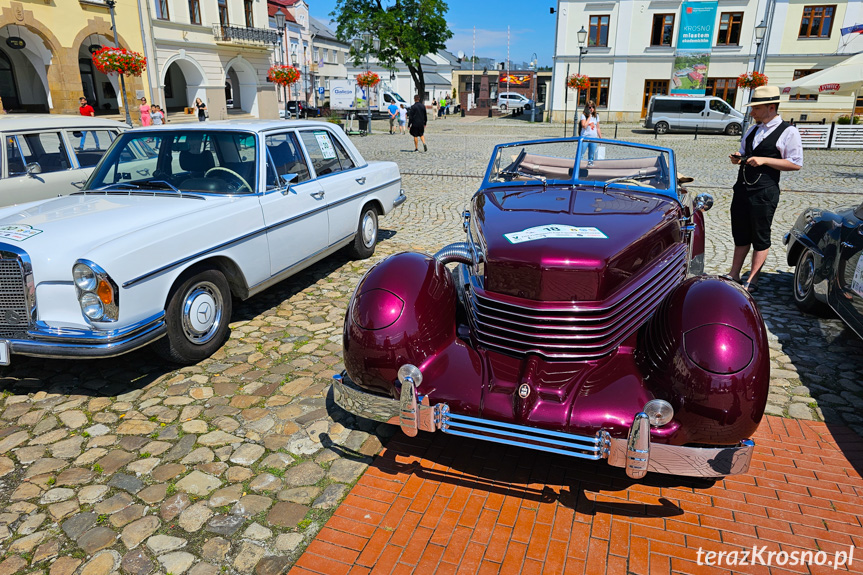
{"x": 631, "y": 46}
{"x": 46, "y": 55}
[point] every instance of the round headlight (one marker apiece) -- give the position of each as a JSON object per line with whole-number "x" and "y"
{"x": 659, "y": 411}
{"x": 84, "y": 277}
{"x": 92, "y": 306}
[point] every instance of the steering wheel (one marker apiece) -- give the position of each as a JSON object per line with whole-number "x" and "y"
{"x": 634, "y": 183}
{"x": 233, "y": 173}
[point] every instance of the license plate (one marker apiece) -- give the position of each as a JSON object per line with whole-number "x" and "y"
{"x": 4, "y": 352}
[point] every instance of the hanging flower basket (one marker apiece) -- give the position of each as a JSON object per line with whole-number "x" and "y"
{"x": 368, "y": 79}
{"x": 751, "y": 80}
{"x": 119, "y": 61}
{"x": 578, "y": 82}
{"x": 283, "y": 75}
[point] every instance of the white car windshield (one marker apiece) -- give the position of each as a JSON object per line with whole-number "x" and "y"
{"x": 209, "y": 161}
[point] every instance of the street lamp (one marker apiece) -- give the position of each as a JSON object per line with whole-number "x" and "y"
{"x": 533, "y": 108}
{"x": 280, "y": 24}
{"x": 582, "y": 50}
{"x": 111, "y": 4}
{"x": 760, "y": 32}
{"x": 294, "y": 64}
{"x": 365, "y": 43}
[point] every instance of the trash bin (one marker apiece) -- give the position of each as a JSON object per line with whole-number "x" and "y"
{"x": 364, "y": 123}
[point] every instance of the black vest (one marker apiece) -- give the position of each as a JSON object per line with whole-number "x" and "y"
{"x": 760, "y": 177}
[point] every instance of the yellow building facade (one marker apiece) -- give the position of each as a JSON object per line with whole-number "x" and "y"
{"x": 46, "y": 55}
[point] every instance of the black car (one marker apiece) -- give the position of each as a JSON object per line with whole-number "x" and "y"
{"x": 825, "y": 247}
{"x": 300, "y": 109}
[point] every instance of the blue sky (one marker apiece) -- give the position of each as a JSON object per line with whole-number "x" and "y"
{"x": 531, "y": 27}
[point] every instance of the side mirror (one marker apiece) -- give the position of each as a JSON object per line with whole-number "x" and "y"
{"x": 702, "y": 202}
{"x": 287, "y": 179}
{"x": 33, "y": 168}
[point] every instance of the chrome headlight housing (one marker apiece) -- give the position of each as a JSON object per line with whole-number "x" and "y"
{"x": 98, "y": 294}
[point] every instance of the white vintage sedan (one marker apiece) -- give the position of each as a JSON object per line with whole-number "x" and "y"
{"x": 173, "y": 223}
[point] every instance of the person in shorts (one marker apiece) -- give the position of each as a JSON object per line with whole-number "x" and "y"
{"x": 417, "y": 119}
{"x": 769, "y": 147}
{"x": 393, "y": 110}
{"x": 403, "y": 118}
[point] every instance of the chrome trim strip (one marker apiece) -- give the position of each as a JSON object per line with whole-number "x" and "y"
{"x": 251, "y": 234}
{"x": 638, "y": 446}
{"x": 364, "y": 192}
{"x": 400, "y": 199}
{"x": 43, "y": 331}
{"x": 521, "y": 431}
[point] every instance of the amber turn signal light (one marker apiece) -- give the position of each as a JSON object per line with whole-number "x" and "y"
{"x": 105, "y": 292}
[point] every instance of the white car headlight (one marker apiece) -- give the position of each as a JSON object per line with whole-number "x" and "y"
{"x": 98, "y": 295}
{"x": 84, "y": 277}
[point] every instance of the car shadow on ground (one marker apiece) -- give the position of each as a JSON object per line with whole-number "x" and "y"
{"x": 802, "y": 337}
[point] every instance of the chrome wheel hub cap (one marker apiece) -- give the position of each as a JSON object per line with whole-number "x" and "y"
{"x": 805, "y": 277}
{"x": 369, "y": 230}
{"x": 202, "y": 312}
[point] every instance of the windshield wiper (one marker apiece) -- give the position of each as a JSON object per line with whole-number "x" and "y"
{"x": 517, "y": 172}
{"x": 168, "y": 185}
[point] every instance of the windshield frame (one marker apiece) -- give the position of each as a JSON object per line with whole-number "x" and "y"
{"x": 139, "y": 133}
{"x": 671, "y": 192}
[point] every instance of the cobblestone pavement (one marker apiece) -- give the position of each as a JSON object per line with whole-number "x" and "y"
{"x": 233, "y": 465}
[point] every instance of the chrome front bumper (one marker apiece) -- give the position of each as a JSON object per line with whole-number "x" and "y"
{"x": 45, "y": 341}
{"x": 400, "y": 199}
{"x": 635, "y": 453}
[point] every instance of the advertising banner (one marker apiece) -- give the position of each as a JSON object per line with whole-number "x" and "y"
{"x": 520, "y": 80}
{"x": 694, "y": 42}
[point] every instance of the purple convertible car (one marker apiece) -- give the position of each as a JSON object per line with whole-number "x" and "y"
{"x": 577, "y": 320}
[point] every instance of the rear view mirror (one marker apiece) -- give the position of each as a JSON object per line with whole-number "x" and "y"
{"x": 33, "y": 168}
{"x": 287, "y": 179}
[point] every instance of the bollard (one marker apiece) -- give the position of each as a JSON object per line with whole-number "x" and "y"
{"x": 696, "y": 133}
{"x": 462, "y": 112}
{"x": 615, "y": 130}
{"x": 655, "y": 135}
{"x": 489, "y": 112}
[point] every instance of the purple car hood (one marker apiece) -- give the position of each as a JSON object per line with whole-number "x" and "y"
{"x": 563, "y": 244}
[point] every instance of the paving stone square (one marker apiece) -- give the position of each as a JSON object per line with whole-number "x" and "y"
{"x": 238, "y": 463}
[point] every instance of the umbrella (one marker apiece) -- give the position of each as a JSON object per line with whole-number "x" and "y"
{"x": 843, "y": 79}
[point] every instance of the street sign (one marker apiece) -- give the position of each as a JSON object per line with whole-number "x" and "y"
{"x": 16, "y": 42}
{"x": 321, "y": 90}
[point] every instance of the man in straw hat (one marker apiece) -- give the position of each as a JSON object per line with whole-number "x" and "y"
{"x": 769, "y": 147}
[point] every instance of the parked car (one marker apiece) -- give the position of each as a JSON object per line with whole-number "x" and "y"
{"x": 576, "y": 321}
{"x": 44, "y": 155}
{"x": 510, "y": 100}
{"x": 680, "y": 113}
{"x": 154, "y": 250}
{"x": 299, "y": 109}
{"x": 824, "y": 246}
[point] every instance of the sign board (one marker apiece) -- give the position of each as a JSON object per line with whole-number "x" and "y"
{"x": 694, "y": 42}
{"x": 321, "y": 90}
{"x": 16, "y": 42}
{"x": 519, "y": 80}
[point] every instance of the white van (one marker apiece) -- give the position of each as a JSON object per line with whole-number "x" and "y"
{"x": 681, "y": 113}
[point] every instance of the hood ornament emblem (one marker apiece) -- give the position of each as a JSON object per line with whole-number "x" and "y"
{"x": 523, "y": 390}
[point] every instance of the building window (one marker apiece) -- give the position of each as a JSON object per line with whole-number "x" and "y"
{"x": 316, "y": 54}
{"x": 725, "y": 88}
{"x": 326, "y": 55}
{"x": 598, "y": 92}
{"x": 810, "y": 97}
{"x": 194, "y": 11}
{"x": 817, "y": 21}
{"x": 248, "y": 7}
{"x": 729, "y": 29}
{"x": 162, "y": 10}
{"x": 223, "y": 12}
{"x": 663, "y": 30}
{"x": 598, "y": 34}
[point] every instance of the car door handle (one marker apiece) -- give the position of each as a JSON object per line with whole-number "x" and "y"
{"x": 318, "y": 195}
{"x": 361, "y": 180}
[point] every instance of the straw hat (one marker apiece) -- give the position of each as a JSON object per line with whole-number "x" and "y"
{"x": 764, "y": 95}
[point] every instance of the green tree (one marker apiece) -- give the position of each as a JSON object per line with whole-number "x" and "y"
{"x": 407, "y": 29}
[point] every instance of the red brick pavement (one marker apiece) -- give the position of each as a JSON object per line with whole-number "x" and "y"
{"x": 442, "y": 504}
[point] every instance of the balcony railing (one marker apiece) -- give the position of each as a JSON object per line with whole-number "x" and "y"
{"x": 245, "y": 35}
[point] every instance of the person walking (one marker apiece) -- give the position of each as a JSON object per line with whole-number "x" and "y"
{"x": 403, "y": 118}
{"x": 144, "y": 109}
{"x": 441, "y": 107}
{"x": 417, "y": 119}
{"x": 202, "y": 109}
{"x": 157, "y": 115}
{"x": 768, "y": 148}
{"x": 590, "y": 129}
{"x": 86, "y": 109}
{"x": 434, "y": 109}
{"x": 393, "y": 110}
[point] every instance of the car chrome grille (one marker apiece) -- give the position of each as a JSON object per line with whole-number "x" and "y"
{"x": 15, "y": 307}
{"x": 573, "y": 331}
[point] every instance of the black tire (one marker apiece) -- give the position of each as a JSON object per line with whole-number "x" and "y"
{"x": 733, "y": 129}
{"x": 193, "y": 333}
{"x": 503, "y": 107}
{"x": 366, "y": 239}
{"x": 661, "y": 127}
{"x": 803, "y": 287}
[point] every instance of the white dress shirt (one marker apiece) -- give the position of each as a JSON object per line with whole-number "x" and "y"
{"x": 789, "y": 145}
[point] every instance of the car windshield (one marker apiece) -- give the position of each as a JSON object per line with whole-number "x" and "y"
{"x": 209, "y": 161}
{"x": 603, "y": 163}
